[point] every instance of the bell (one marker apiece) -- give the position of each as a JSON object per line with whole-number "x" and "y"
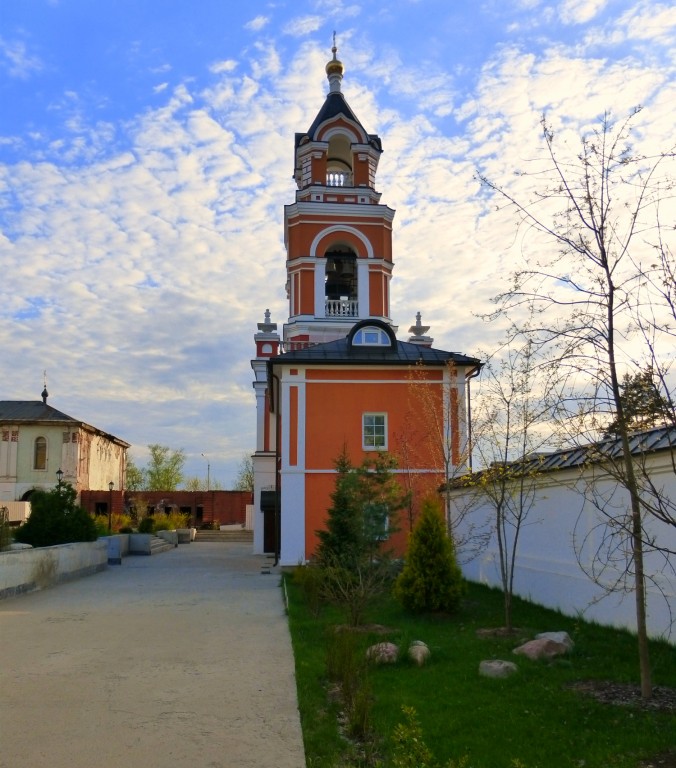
{"x": 348, "y": 268}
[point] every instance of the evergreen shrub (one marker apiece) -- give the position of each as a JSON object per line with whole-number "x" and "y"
{"x": 5, "y": 531}
{"x": 146, "y": 525}
{"x": 56, "y": 519}
{"x": 431, "y": 579}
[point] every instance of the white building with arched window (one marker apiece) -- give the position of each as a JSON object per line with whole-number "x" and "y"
{"x": 37, "y": 440}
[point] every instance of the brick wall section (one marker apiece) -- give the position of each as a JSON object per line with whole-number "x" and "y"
{"x": 225, "y": 507}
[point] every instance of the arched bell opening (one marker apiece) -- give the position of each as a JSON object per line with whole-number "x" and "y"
{"x": 339, "y": 162}
{"x": 341, "y": 282}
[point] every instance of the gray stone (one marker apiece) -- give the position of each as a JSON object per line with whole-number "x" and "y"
{"x": 558, "y": 637}
{"x": 541, "y": 649}
{"x": 418, "y": 652}
{"x": 383, "y": 653}
{"x": 497, "y": 668}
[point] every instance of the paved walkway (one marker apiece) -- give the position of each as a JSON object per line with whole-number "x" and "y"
{"x": 179, "y": 660}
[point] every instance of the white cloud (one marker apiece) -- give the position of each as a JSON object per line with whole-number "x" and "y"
{"x": 257, "y": 23}
{"x": 219, "y": 67}
{"x": 17, "y": 61}
{"x": 580, "y": 11}
{"x": 302, "y": 26}
{"x": 650, "y": 21}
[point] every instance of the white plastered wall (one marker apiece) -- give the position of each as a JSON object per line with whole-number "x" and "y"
{"x": 558, "y": 543}
{"x": 292, "y": 549}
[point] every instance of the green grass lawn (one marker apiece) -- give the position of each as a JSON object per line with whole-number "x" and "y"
{"x": 532, "y": 717}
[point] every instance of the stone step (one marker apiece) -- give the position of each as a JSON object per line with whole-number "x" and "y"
{"x": 146, "y": 544}
{"x": 236, "y": 535}
{"x": 158, "y": 545}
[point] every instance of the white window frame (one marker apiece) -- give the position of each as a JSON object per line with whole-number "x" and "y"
{"x": 373, "y": 431}
{"x": 370, "y": 336}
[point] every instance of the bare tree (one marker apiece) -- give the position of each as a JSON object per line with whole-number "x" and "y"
{"x": 437, "y": 409}
{"x": 245, "y": 474}
{"x": 512, "y": 408}
{"x": 195, "y": 483}
{"x": 593, "y": 294}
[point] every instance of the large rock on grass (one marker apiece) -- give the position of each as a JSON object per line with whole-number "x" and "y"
{"x": 544, "y": 648}
{"x": 558, "y": 637}
{"x": 383, "y": 653}
{"x": 497, "y": 668}
{"x": 418, "y": 652}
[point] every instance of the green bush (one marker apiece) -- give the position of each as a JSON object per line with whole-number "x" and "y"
{"x": 431, "y": 579}
{"x": 5, "y": 532}
{"x": 101, "y": 525}
{"x": 410, "y": 750}
{"x": 346, "y": 667}
{"x": 177, "y": 519}
{"x": 56, "y": 519}
{"x": 310, "y": 579}
{"x": 147, "y": 525}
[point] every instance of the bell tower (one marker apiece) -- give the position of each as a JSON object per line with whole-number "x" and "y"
{"x": 338, "y": 236}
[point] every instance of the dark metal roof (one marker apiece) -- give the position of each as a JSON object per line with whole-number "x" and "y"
{"x": 37, "y": 411}
{"x": 335, "y": 105}
{"x": 30, "y": 410}
{"x": 341, "y": 352}
{"x": 640, "y": 443}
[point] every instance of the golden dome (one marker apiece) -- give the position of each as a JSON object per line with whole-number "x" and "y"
{"x": 335, "y": 66}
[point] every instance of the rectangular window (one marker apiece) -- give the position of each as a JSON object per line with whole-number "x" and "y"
{"x": 40, "y": 453}
{"x": 374, "y": 431}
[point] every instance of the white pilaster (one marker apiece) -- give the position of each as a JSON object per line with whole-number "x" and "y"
{"x": 320, "y": 291}
{"x": 363, "y": 288}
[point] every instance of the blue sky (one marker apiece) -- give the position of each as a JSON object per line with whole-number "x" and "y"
{"x": 146, "y": 154}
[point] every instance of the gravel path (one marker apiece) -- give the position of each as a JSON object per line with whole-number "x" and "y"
{"x": 175, "y": 660}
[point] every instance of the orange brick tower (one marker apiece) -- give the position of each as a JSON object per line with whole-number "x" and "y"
{"x": 338, "y": 376}
{"x": 338, "y": 236}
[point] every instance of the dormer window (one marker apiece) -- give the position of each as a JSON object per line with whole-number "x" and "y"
{"x": 371, "y": 337}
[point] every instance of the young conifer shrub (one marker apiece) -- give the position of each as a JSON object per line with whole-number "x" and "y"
{"x": 56, "y": 519}
{"x": 147, "y": 525}
{"x": 5, "y": 531}
{"x": 431, "y": 579}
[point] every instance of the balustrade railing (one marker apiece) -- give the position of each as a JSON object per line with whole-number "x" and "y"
{"x": 342, "y": 308}
{"x": 338, "y": 179}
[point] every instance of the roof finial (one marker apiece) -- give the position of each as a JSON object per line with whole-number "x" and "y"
{"x": 419, "y": 332}
{"x": 45, "y": 394}
{"x": 267, "y": 326}
{"x": 334, "y": 69}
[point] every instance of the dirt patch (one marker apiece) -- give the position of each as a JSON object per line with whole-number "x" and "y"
{"x": 367, "y": 629}
{"x": 628, "y": 695}
{"x": 502, "y": 632}
{"x": 665, "y": 760}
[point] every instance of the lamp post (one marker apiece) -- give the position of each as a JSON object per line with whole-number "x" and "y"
{"x": 208, "y": 472}
{"x": 59, "y": 478}
{"x": 111, "y": 485}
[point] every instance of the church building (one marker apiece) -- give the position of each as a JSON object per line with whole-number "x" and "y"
{"x": 338, "y": 378}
